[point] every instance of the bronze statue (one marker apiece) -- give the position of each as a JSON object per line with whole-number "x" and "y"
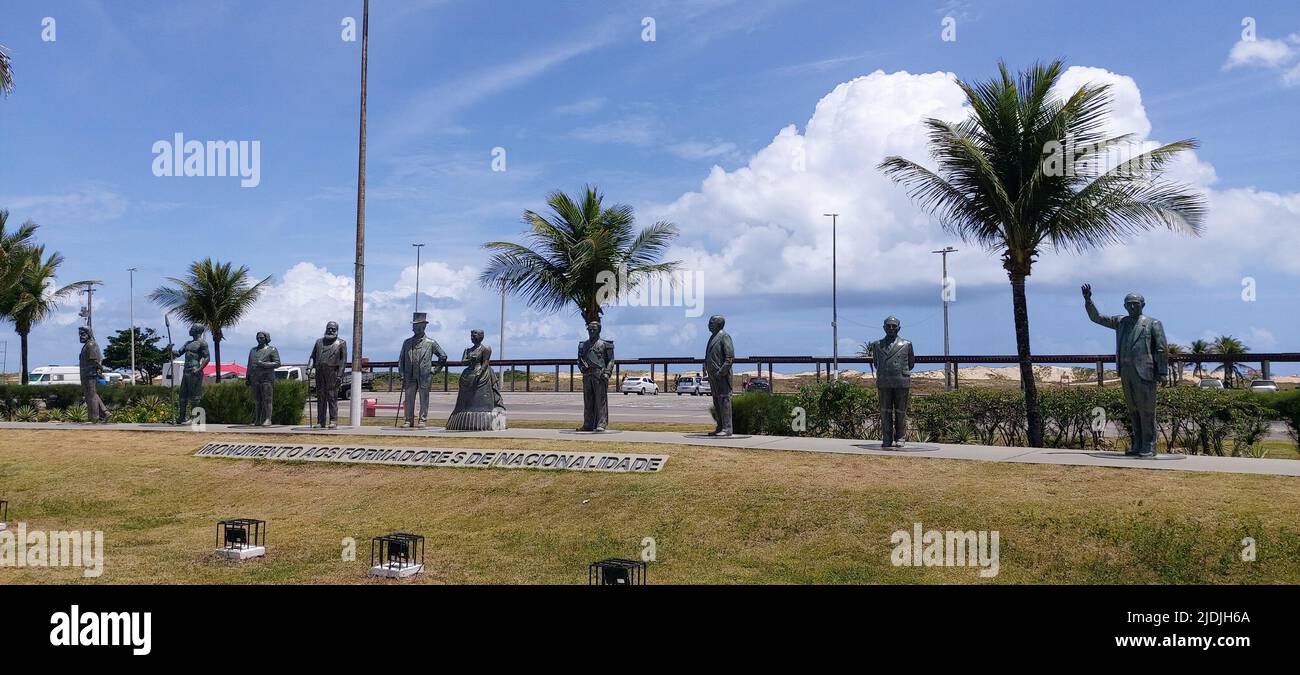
{"x": 326, "y": 362}
{"x": 91, "y": 363}
{"x": 420, "y": 359}
{"x": 478, "y": 400}
{"x": 262, "y": 362}
{"x": 893, "y": 360}
{"x": 596, "y": 360}
{"x": 1142, "y": 358}
{"x": 719, "y": 355}
{"x": 195, "y": 354}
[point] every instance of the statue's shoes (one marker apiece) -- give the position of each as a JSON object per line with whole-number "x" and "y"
{"x": 1145, "y": 455}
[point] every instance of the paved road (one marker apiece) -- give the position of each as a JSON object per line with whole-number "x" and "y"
{"x": 567, "y": 406}
{"x": 985, "y": 453}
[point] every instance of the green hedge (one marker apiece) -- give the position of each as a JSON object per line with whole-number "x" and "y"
{"x": 1196, "y": 421}
{"x": 63, "y": 396}
{"x": 232, "y": 402}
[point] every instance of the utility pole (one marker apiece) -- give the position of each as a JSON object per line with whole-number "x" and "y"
{"x": 835, "y": 316}
{"x": 947, "y": 367}
{"x": 501, "y": 353}
{"x": 132, "y": 304}
{"x": 354, "y": 402}
{"x": 88, "y": 312}
{"x": 417, "y": 275}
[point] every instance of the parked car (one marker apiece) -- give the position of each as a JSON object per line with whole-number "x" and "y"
{"x": 1210, "y": 383}
{"x": 638, "y": 385}
{"x": 1263, "y": 385}
{"x": 693, "y": 385}
{"x": 756, "y": 384}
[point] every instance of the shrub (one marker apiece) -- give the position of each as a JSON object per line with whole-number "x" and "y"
{"x": 1286, "y": 407}
{"x": 232, "y": 402}
{"x": 839, "y": 409}
{"x": 760, "y": 412}
{"x": 63, "y": 396}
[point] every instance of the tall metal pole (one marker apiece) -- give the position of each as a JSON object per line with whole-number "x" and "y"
{"x": 947, "y": 367}
{"x": 501, "y": 352}
{"x": 132, "y": 304}
{"x": 417, "y": 275}
{"x": 354, "y": 402}
{"x": 835, "y": 316}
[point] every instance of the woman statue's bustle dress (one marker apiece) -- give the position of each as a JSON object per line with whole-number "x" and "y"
{"x": 478, "y": 401}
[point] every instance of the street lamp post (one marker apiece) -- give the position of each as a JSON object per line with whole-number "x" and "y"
{"x": 354, "y": 403}
{"x": 417, "y": 275}
{"x": 947, "y": 367}
{"x": 501, "y": 352}
{"x": 835, "y": 323}
{"x": 132, "y": 305}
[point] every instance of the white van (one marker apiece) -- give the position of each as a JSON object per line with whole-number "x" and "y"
{"x": 49, "y": 375}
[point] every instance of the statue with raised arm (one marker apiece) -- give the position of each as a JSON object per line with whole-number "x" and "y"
{"x": 262, "y": 362}
{"x": 596, "y": 361}
{"x": 719, "y": 355}
{"x": 91, "y": 363}
{"x": 420, "y": 359}
{"x": 195, "y": 355}
{"x": 328, "y": 356}
{"x": 893, "y": 359}
{"x": 478, "y": 400}
{"x": 1142, "y": 359}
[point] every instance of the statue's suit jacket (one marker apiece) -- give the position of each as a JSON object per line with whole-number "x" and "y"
{"x": 718, "y": 357}
{"x": 1139, "y": 343}
{"x": 417, "y": 360}
{"x": 893, "y": 361}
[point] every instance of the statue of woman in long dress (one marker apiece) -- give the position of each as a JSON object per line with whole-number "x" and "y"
{"x": 478, "y": 401}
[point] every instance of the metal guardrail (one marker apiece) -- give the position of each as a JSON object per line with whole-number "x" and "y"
{"x": 822, "y": 365}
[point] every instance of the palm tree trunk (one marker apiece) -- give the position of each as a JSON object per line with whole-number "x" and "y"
{"x": 22, "y": 350}
{"x": 1020, "y": 311}
{"x": 216, "y": 348}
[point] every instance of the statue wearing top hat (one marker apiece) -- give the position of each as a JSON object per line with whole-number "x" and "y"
{"x": 1142, "y": 358}
{"x": 421, "y": 358}
{"x": 893, "y": 359}
{"x": 328, "y": 356}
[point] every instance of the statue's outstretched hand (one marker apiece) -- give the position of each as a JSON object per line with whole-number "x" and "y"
{"x": 1087, "y": 291}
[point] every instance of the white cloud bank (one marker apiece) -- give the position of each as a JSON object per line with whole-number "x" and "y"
{"x": 760, "y": 230}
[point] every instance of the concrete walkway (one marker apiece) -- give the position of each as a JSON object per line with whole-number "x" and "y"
{"x": 985, "y": 453}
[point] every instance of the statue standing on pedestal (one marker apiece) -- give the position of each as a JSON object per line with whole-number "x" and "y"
{"x": 91, "y": 362}
{"x": 262, "y": 362}
{"x": 195, "y": 354}
{"x": 719, "y": 355}
{"x": 894, "y": 361}
{"x": 596, "y": 361}
{"x": 1142, "y": 358}
{"x": 327, "y": 359}
{"x": 478, "y": 401}
{"x": 421, "y": 358}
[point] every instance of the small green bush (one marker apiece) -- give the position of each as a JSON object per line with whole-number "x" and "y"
{"x": 761, "y": 412}
{"x": 232, "y": 402}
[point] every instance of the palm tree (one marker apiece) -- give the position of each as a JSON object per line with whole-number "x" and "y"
{"x": 214, "y": 295}
{"x": 34, "y": 297}
{"x": 1175, "y": 367}
{"x": 1199, "y": 349}
{"x": 13, "y": 250}
{"x": 994, "y": 188}
{"x": 6, "y": 72}
{"x": 571, "y": 248}
{"x": 1226, "y": 344}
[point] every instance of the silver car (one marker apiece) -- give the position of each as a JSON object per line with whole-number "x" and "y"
{"x": 1210, "y": 383}
{"x": 1263, "y": 385}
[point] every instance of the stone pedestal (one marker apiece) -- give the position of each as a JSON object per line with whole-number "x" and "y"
{"x": 242, "y": 553}
{"x": 396, "y": 571}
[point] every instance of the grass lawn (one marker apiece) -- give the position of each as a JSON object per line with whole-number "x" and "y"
{"x": 717, "y": 515}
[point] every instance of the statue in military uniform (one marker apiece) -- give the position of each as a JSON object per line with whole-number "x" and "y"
{"x": 719, "y": 355}
{"x": 478, "y": 399}
{"x": 893, "y": 360}
{"x": 596, "y": 361}
{"x": 420, "y": 359}
{"x": 91, "y": 363}
{"x": 327, "y": 359}
{"x": 1142, "y": 358}
{"x": 195, "y": 354}
{"x": 262, "y": 362}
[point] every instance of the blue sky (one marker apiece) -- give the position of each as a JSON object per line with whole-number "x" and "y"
{"x": 678, "y": 128}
